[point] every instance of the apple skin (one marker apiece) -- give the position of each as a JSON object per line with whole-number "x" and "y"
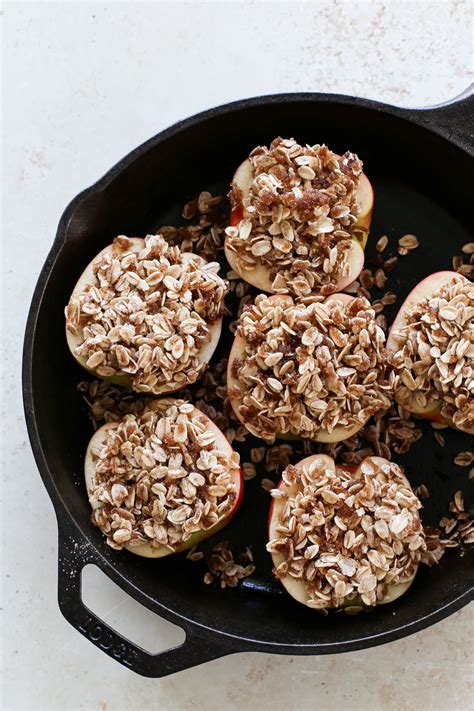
{"x": 238, "y": 351}
{"x": 295, "y": 588}
{"x": 146, "y": 550}
{"x": 87, "y": 277}
{"x": 424, "y": 289}
{"x": 258, "y": 276}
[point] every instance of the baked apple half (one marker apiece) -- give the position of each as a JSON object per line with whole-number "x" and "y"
{"x": 308, "y": 370}
{"x": 432, "y": 346}
{"x": 162, "y": 481}
{"x": 146, "y": 316}
{"x": 300, "y": 219}
{"x": 345, "y": 536}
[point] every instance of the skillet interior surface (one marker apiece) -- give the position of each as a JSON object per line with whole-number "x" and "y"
{"x": 421, "y": 184}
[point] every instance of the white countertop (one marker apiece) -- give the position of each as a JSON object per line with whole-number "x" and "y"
{"x": 84, "y": 84}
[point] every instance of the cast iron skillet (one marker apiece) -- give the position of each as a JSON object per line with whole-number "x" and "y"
{"x": 420, "y": 163}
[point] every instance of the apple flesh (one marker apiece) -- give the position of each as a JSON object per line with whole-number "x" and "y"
{"x": 259, "y": 275}
{"x": 238, "y": 354}
{"x": 295, "y": 587}
{"x": 88, "y": 278}
{"x": 425, "y": 289}
{"x": 146, "y": 550}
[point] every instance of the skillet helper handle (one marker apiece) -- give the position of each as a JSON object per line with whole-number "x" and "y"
{"x": 194, "y": 650}
{"x": 453, "y": 118}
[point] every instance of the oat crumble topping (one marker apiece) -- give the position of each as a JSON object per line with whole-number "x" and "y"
{"x": 160, "y": 477}
{"x": 435, "y": 360}
{"x": 345, "y": 538}
{"x": 309, "y": 367}
{"x": 387, "y": 432}
{"x": 298, "y": 217}
{"x": 148, "y": 315}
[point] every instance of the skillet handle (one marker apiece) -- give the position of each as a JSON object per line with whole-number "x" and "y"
{"x": 453, "y": 119}
{"x": 73, "y": 557}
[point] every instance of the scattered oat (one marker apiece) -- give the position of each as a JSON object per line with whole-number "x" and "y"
{"x": 381, "y": 244}
{"x": 434, "y": 547}
{"x": 389, "y": 298}
{"x": 464, "y": 459}
{"x": 257, "y": 454}
{"x": 267, "y": 484}
{"x": 380, "y": 278}
{"x": 439, "y": 425}
{"x": 108, "y": 403}
{"x": 458, "y": 528}
{"x": 408, "y": 242}
{"x": 225, "y": 569}
{"x": 205, "y": 238}
{"x": 353, "y": 609}
{"x": 190, "y": 209}
{"x": 278, "y": 457}
{"x": 422, "y": 491}
{"x": 468, "y": 248}
{"x": 457, "y": 262}
{"x": 387, "y": 432}
{"x": 466, "y": 270}
{"x": 439, "y": 438}
{"x": 366, "y": 278}
{"x": 390, "y": 264}
{"x": 249, "y": 471}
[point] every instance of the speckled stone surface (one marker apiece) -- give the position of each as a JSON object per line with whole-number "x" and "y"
{"x": 83, "y": 84}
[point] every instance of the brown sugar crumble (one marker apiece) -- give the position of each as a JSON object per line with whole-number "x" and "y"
{"x": 298, "y": 216}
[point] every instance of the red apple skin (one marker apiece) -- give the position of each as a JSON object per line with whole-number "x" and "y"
{"x": 197, "y": 537}
{"x": 236, "y": 215}
{"x": 424, "y": 289}
{"x": 397, "y": 591}
{"x": 339, "y": 433}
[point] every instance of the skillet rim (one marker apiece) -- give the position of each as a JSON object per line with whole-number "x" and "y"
{"x": 430, "y": 118}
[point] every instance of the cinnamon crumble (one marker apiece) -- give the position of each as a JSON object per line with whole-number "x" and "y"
{"x": 298, "y": 216}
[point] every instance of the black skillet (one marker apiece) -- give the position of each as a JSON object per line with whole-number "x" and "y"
{"x": 420, "y": 163}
